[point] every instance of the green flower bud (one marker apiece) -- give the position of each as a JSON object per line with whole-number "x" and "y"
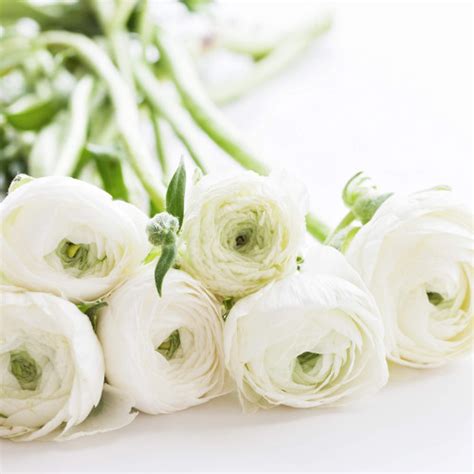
{"x": 162, "y": 228}
{"x": 365, "y": 207}
{"x": 359, "y": 185}
{"x": 362, "y": 196}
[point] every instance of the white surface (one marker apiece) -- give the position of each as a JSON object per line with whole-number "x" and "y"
{"x": 389, "y": 91}
{"x": 419, "y": 422}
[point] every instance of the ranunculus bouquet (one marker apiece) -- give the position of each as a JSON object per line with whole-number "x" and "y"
{"x": 156, "y": 294}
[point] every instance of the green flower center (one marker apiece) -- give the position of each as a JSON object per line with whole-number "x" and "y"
{"x": 250, "y": 232}
{"x": 241, "y": 240}
{"x": 245, "y": 239}
{"x": 25, "y": 369}
{"x": 79, "y": 258}
{"x": 434, "y": 298}
{"x": 170, "y": 345}
{"x": 307, "y": 361}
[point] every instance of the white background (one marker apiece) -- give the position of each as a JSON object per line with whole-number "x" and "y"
{"x": 388, "y": 91}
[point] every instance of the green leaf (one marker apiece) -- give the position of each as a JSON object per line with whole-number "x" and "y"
{"x": 155, "y": 252}
{"x": 32, "y": 113}
{"x": 109, "y": 166}
{"x": 167, "y": 258}
{"x": 176, "y": 193}
{"x": 84, "y": 158}
{"x": 92, "y": 310}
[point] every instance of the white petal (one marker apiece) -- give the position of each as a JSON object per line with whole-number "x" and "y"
{"x": 114, "y": 411}
{"x": 414, "y": 245}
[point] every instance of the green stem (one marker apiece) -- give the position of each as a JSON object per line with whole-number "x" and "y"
{"x": 156, "y": 122}
{"x": 74, "y": 16}
{"x": 170, "y": 111}
{"x": 126, "y": 112}
{"x": 317, "y": 228}
{"x": 77, "y": 127}
{"x": 103, "y": 128}
{"x": 348, "y": 219}
{"x": 124, "y": 9}
{"x": 239, "y": 41}
{"x": 277, "y": 60}
{"x": 16, "y": 10}
{"x": 201, "y": 108}
{"x": 112, "y": 16}
{"x": 144, "y": 25}
{"x": 213, "y": 122}
{"x": 119, "y": 44}
{"x": 14, "y": 51}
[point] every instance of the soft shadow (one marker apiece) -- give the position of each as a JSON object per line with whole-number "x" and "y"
{"x": 225, "y": 413}
{"x": 401, "y": 375}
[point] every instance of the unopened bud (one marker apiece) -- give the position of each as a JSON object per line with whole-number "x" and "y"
{"x": 161, "y": 228}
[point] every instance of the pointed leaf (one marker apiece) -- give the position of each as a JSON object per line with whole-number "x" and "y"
{"x": 167, "y": 258}
{"x": 33, "y": 113}
{"x": 109, "y": 166}
{"x": 176, "y": 193}
{"x": 152, "y": 254}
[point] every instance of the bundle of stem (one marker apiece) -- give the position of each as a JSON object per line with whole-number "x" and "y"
{"x": 134, "y": 87}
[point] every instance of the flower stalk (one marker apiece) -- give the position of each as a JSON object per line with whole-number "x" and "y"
{"x": 274, "y": 58}
{"x": 126, "y": 112}
{"x": 170, "y": 112}
{"x": 201, "y": 108}
{"x": 213, "y": 121}
{"x": 77, "y": 127}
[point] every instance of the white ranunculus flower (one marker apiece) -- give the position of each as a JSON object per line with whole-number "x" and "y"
{"x": 165, "y": 352}
{"x": 67, "y": 237}
{"x": 416, "y": 256}
{"x": 314, "y": 338}
{"x": 51, "y": 366}
{"x": 243, "y": 231}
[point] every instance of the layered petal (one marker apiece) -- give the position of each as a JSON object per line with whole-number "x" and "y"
{"x": 51, "y": 365}
{"x": 165, "y": 352}
{"x": 69, "y": 238}
{"x": 243, "y": 231}
{"x": 416, "y": 255}
{"x": 314, "y": 338}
